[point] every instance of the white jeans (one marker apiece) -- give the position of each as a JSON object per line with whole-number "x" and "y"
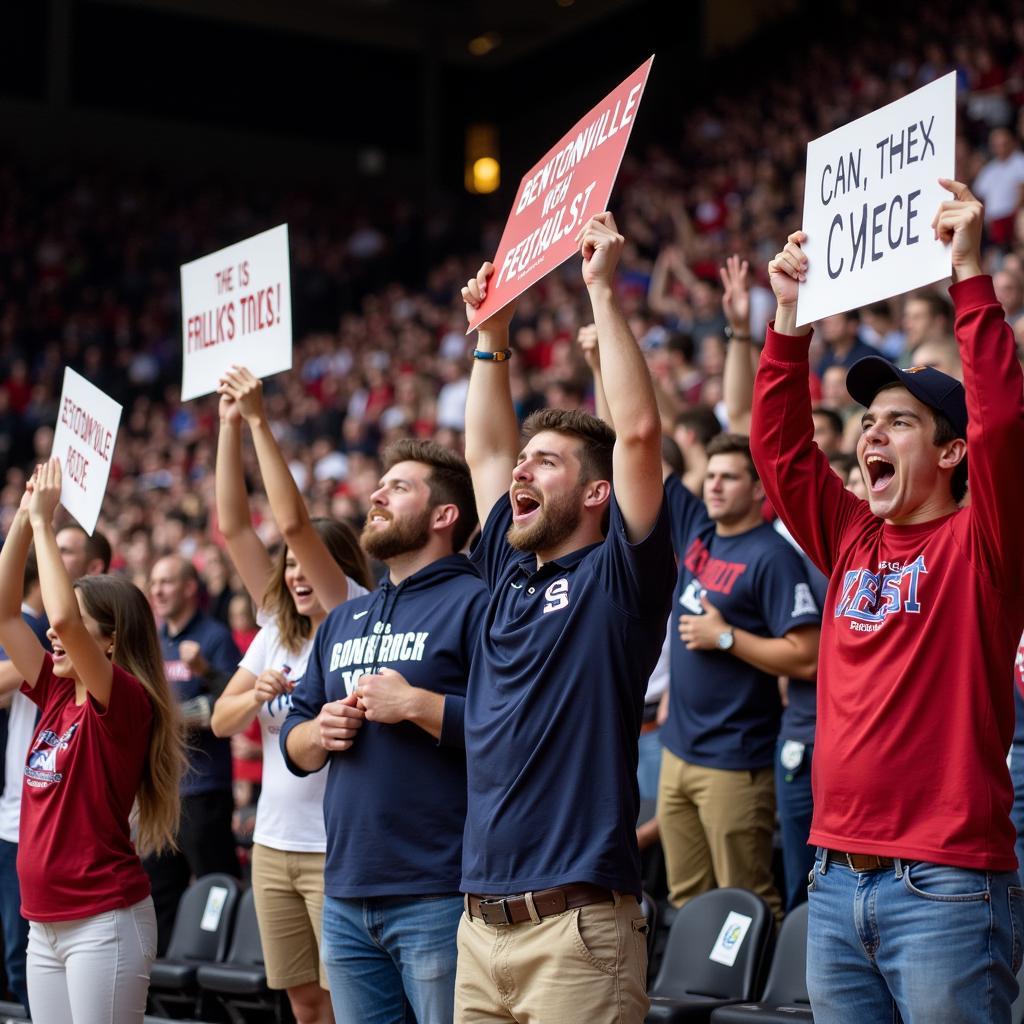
{"x": 94, "y": 970}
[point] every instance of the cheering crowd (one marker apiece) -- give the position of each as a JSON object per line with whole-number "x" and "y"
{"x": 449, "y": 743}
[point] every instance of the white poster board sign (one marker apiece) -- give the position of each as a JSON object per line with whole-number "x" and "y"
{"x": 236, "y": 307}
{"x": 730, "y": 939}
{"x": 870, "y": 194}
{"x": 83, "y": 441}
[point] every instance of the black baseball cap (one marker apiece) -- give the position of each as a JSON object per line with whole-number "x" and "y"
{"x": 939, "y": 391}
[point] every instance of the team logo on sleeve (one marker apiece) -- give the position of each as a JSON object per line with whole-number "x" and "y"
{"x": 803, "y": 601}
{"x": 41, "y": 769}
{"x": 556, "y": 596}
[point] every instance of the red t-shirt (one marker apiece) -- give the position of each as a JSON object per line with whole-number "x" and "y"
{"x": 921, "y": 623}
{"x": 75, "y": 853}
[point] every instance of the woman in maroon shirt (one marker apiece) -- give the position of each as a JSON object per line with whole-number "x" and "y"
{"x": 107, "y": 756}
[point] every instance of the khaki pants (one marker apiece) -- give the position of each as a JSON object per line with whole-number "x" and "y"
{"x": 587, "y": 965}
{"x": 716, "y": 829}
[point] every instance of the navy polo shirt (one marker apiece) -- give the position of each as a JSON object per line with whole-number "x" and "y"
{"x": 723, "y": 712}
{"x": 395, "y": 801}
{"x": 209, "y": 757}
{"x": 554, "y": 709}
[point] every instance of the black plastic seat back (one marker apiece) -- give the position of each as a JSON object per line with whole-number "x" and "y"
{"x": 699, "y": 930}
{"x": 787, "y": 979}
{"x": 246, "y": 948}
{"x": 206, "y": 914}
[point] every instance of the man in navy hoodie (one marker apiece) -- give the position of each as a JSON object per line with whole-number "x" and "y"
{"x": 381, "y": 704}
{"x": 580, "y": 571}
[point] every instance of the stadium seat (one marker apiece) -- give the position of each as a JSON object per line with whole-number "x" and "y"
{"x": 696, "y": 975}
{"x": 785, "y": 994}
{"x": 202, "y": 931}
{"x": 239, "y": 984}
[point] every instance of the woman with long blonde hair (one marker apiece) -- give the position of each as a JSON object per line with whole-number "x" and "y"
{"x": 320, "y": 566}
{"x": 107, "y": 754}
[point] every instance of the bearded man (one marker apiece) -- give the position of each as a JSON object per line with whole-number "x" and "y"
{"x": 577, "y": 555}
{"x": 381, "y": 705}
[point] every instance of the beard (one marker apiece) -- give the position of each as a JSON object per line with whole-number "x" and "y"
{"x": 398, "y": 537}
{"x": 557, "y": 519}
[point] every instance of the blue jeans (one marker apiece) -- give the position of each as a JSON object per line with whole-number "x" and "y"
{"x": 649, "y": 766}
{"x": 937, "y": 944}
{"x": 391, "y": 959}
{"x": 795, "y": 806}
{"x": 1017, "y": 814}
{"x": 15, "y": 927}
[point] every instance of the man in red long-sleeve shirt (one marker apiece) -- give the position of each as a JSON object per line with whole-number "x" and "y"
{"x": 914, "y": 899}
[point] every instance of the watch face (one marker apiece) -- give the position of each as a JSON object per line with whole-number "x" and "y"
{"x": 725, "y": 640}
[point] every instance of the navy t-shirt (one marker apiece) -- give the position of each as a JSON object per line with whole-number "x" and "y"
{"x": 209, "y": 757}
{"x": 724, "y": 713}
{"x": 554, "y": 709}
{"x": 395, "y": 801}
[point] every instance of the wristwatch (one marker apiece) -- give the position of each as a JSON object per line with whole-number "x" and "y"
{"x": 726, "y": 640}
{"x": 732, "y": 335}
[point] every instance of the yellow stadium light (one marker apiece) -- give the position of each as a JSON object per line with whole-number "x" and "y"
{"x": 486, "y": 175}
{"x": 482, "y": 169}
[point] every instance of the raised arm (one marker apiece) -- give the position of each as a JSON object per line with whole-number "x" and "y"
{"x": 586, "y": 338}
{"x": 91, "y": 661}
{"x": 738, "y": 375}
{"x": 809, "y": 498}
{"x": 492, "y": 431}
{"x": 993, "y": 387}
{"x": 327, "y": 578}
{"x": 636, "y": 458}
{"x": 244, "y": 545}
{"x": 18, "y": 640}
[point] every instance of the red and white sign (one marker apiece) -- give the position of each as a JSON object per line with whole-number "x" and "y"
{"x": 83, "y": 441}
{"x": 236, "y": 307}
{"x": 571, "y": 183}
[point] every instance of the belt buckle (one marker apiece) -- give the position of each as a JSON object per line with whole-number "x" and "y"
{"x": 501, "y": 915}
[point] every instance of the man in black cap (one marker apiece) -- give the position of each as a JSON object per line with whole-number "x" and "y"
{"x": 915, "y": 904}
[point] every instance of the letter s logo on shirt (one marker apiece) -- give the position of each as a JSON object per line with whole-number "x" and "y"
{"x": 556, "y": 596}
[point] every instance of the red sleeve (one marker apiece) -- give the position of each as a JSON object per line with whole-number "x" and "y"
{"x": 41, "y": 690}
{"x": 995, "y": 432}
{"x": 808, "y": 497}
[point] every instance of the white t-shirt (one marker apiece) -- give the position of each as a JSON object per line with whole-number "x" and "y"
{"x": 21, "y": 726}
{"x": 998, "y": 185}
{"x": 290, "y": 811}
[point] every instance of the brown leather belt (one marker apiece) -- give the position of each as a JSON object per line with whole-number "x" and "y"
{"x": 500, "y": 910}
{"x": 861, "y": 861}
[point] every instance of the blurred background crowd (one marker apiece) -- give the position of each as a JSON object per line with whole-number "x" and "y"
{"x": 89, "y": 257}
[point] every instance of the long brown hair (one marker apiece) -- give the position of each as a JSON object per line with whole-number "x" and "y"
{"x": 341, "y": 541}
{"x": 123, "y": 613}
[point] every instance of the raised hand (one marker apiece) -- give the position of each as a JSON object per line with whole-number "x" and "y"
{"x": 736, "y": 296}
{"x": 45, "y": 496}
{"x": 959, "y": 221}
{"x": 601, "y": 246}
{"x": 473, "y": 296}
{"x": 228, "y": 407}
{"x": 239, "y": 384}
{"x": 788, "y": 269}
{"x": 586, "y": 338}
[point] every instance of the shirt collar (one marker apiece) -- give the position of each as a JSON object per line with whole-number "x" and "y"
{"x": 564, "y": 563}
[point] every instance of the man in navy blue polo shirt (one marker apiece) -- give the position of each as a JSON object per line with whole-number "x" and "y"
{"x": 199, "y": 659}
{"x": 381, "y": 704}
{"x": 580, "y": 573}
{"x": 746, "y": 616}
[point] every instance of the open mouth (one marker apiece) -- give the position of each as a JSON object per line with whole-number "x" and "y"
{"x": 524, "y": 505}
{"x": 378, "y": 515}
{"x": 302, "y": 591}
{"x": 880, "y": 472}
{"x": 58, "y": 651}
